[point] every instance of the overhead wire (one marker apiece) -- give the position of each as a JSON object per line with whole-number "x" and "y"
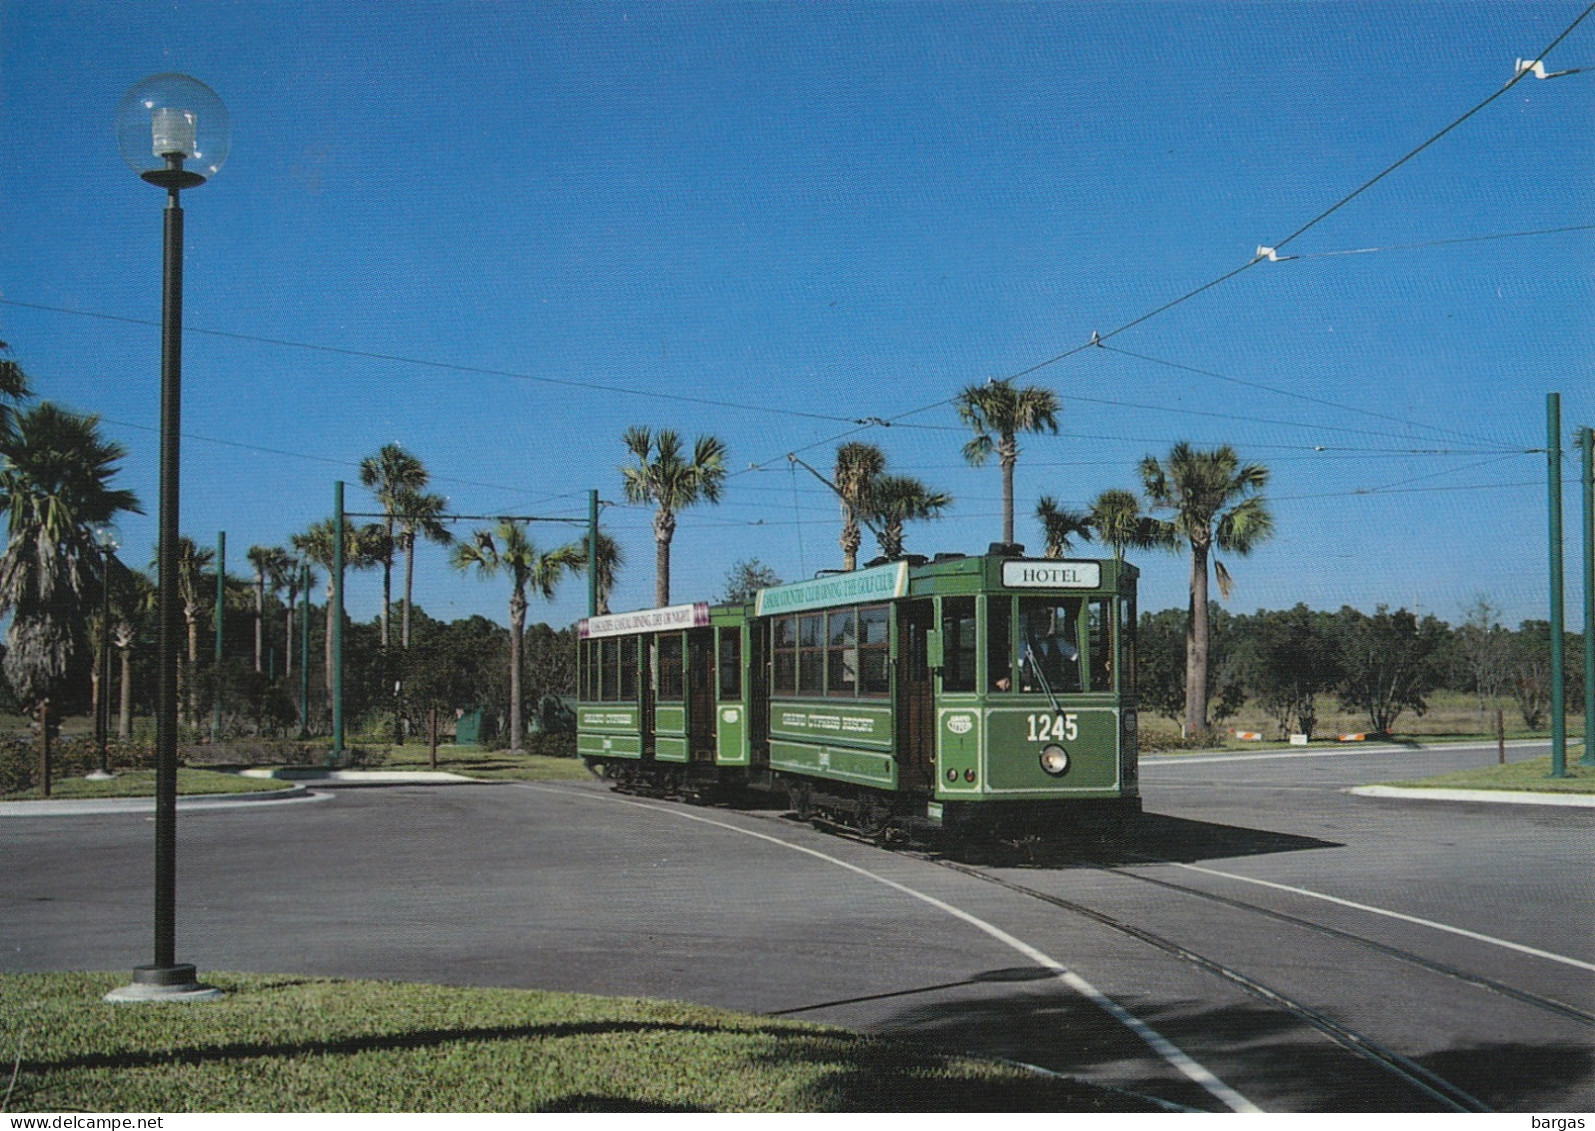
{"x": 1098, "y": 338}
{"x": 455, "y": 367}
{"x": 864, "y": 423}
{"x": 1319, "y": 401}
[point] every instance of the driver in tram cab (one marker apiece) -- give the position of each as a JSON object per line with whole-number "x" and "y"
{"x": 1048, "y": 650}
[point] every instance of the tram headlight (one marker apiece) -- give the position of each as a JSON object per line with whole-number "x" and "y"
{"x": 1055, "y": 760}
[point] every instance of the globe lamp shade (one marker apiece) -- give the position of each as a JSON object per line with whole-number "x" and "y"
{"x": 170, "y": 124}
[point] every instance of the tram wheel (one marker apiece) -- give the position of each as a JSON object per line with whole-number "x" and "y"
{"x": 801, "y": 798}
{"x": 874, "y": 818}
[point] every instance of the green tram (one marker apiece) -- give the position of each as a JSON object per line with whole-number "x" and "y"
{"x": 991, "y": 692}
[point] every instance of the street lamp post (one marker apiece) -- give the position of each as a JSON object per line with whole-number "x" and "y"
{"x": 175, "y": 133}
{"x": 107, "y": 538}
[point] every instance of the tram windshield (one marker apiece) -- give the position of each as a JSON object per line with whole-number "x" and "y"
{"x": 1049, "y": 649}
{"x": 1060, "y": 645}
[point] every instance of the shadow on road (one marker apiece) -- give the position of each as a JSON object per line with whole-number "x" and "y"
{"x": 1146, "y": 836}
{"x": 1287, "y": 1065}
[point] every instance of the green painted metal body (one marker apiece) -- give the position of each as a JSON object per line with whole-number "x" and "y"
{"x": 913, "y": 683}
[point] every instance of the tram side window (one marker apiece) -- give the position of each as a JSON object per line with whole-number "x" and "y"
{"x": 671, "y": 684}
{"x": 783, "y": 649}
{"x": 584, "y": 671}
{"x": 842, "y": 653}
{"x": 730, "y": 663}
{"x": 609, "y": 669}
{"x": 1127, "y": 644}
{"x": 811, "y": 654}
{"x": 958, "y": 644}
{"x": 999, "y": 643}
{"x": 1049, "y": 647}
{"x": 1100, "y": 643}
{"x": 628, "y": 669}
{"x": 874, "y": 655}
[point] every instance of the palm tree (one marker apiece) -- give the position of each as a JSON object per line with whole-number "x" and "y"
{"x": 271, "y": 564}
{"x": 1061, "y": 525}
{"x": 1216, "y": 503}
{"x": 363, "y": 548}
{"x": 858, "y": 465}
{"x": 896, "y": 499}
{"x": 663, "y": 476}
{"x": 13, "y": 388}
{"x": 55, "y": 486}
{"x": 610, "y": 559}
{"x": 133, "y": 605}
{"x": 192, "y": 561}
{"x": 297, "y": 578}
{"x": 420, "y": 516}
{"x": 392, "y": 475}
{"x": 507, "y": 549}
{"x": 1117, "y": 519}
{"x": 998, "y": 408}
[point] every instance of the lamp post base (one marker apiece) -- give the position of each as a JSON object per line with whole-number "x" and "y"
{"x": 165, "y": 983}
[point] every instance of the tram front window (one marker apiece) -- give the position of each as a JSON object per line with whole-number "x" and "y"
{"x": 1048, "y": 649}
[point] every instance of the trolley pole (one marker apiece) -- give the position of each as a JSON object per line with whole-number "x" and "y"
{"x": 221, "y": 602}
{"x": 336, "y": 754}
{"x": 1586, "y": 438}
{"x": 1553, "y": 430}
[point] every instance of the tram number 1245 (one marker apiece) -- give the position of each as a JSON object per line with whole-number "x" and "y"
{"x": 1054, "y": 728}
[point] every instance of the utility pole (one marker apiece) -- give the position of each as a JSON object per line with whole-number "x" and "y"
{"x": 1553, "y": 429}
{"x": 335, "y": 755}
{"x": 221, "y": 603}
{"x": 592, "y": 553}
{"x": 1586, "y": 437}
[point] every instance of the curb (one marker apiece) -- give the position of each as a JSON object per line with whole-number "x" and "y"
{"x": 360, "y": 777}
{"x": 1488, "y": 796}
{"x": 88, "y": 806}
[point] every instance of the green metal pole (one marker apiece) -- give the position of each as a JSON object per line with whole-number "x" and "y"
{"x": 337, "y": 623}
{"x": 1553, "y": 428}
{"x": 304, "y": 658}
{"x": 592, "y": 553}
{"x": 1587, "y": 443}
{"x": 221, "y": 603}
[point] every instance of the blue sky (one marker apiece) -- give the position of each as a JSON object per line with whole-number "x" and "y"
{"x": 528, "y": 226}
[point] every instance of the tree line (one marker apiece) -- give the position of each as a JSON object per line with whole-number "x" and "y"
{"x": 1381, "y": 665}
{"x": 58, "y": 578}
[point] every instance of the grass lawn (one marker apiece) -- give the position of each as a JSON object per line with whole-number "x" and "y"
{"x": 1451, "y": 717}
{"x": 473, "y": 761}
{"x": 1531, "y": 776}
{"x": 311, "y": 1044}
{"x": 141, "y": 783}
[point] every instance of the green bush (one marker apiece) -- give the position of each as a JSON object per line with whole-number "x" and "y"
{"x": 70, "y": 757}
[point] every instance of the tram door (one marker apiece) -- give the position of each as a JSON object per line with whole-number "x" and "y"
{"x": 700, "y": 694}
{"x": 916, "y": 702}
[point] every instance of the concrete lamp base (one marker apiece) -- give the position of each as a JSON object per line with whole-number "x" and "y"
{"x": 165, "y": 983}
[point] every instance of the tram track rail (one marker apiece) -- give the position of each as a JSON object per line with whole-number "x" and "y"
{"x": 1479, "y": 981}
{"x": 1447, "y": 1094}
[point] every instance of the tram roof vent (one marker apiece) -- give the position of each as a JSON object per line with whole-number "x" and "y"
{"x": 1006, "y": 550}
{"x": 950, "y": 557}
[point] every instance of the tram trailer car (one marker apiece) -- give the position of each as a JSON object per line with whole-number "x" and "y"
{"x": 971, "y": 693}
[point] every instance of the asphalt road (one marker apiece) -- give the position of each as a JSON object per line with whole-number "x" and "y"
{"x": 1260, "y": 939}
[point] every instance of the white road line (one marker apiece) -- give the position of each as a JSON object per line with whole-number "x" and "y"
{"x": 1545, "y": 954}
{"x": 1155, "y": 1040}
{"x": 1202, "y": 759}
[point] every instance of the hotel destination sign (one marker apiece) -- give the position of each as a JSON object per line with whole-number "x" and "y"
{"x": 1052, "y": 575}
{"x": 646, "y": 620}
{"x": 879, "y": 583}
